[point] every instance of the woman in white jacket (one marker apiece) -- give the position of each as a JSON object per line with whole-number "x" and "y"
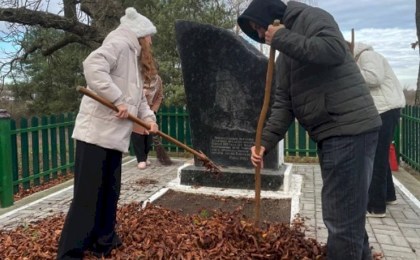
{"x": 115, "y": 71}
{"x": 389, "y": 98}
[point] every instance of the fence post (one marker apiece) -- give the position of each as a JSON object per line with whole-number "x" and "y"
{"x": 6, "y": 182}
{"x": 397, "y": 140}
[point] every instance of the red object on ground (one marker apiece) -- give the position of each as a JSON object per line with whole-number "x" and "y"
{"x": 393, "y": 162}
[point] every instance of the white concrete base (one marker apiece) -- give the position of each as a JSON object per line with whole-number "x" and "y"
{"x": 291, "y": 189}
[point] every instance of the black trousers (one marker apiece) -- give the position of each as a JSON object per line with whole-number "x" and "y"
{"x": 142, "y": 144}
{"x": 382, "y": 187}
{"x": 90, "y": 222}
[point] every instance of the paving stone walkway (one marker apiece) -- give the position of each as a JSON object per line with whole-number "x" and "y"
{"x": 397, "y": 235}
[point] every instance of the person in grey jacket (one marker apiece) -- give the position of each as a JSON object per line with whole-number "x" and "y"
{"x": 115, "y": 71}
{"x": 318, "y": 82}
{"x": 389, "y": 98}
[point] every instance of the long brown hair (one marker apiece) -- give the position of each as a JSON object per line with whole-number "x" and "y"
{"x": 147, "y": 64}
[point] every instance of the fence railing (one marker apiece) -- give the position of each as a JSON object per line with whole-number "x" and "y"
{"x": 298, "y": 143}
{"x": 41, "y": 148}
{"x": 406, "y": 139}
{"x": 175, "y": 122}
{"x": 409, "y": 136}
{"x": 35, "y": 150}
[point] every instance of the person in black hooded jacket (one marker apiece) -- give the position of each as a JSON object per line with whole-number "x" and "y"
{"x": 318, "y": 82}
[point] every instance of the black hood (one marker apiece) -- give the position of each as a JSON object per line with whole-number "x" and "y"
{"x": 263, "y": 13}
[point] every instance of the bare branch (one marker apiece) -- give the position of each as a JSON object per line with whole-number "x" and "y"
{"x": 62, "y": 43}
{"x": 45, "y": 20}
{"x": 8, "y": 66}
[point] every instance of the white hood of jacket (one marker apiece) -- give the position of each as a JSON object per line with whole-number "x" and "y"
{"x": 384, "y": 86}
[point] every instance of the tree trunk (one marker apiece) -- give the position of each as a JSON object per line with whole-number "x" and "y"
{"x": 417, "y": 100}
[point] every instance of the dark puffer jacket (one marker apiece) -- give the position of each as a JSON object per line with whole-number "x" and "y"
{"x": 317, "y": 80}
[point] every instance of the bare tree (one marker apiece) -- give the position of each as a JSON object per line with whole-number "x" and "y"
{"x": 417, "y": 100}
{"x": 83, "y": 21}
{"x": 237, "y": 7}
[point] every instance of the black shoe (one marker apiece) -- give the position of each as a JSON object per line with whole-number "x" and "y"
{"x": 375, "y": 215}
{"x": 105, "y": 251}
{"x": 95, "y": 250}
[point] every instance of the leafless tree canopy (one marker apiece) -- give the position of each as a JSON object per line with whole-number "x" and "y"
{"x": 84, "y": 21}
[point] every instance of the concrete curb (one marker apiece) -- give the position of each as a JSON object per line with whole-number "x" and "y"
{"x": 44, "y": 193}
{"x": 36, "y": 196}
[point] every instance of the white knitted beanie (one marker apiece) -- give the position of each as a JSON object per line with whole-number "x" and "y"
{"x": 138, "y": 23}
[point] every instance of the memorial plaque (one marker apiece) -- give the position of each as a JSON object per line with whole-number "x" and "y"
{"x": 224, "y": 79}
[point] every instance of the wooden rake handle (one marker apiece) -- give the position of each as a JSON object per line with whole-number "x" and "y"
{"x": 261, "y": 120}
{"x": 202, "y": 157}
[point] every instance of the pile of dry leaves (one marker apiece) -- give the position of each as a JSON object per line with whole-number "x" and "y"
{"x": 159, "y": 233}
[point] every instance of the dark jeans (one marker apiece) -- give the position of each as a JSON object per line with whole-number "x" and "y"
{"x": 142, "y": 144}
{"x": 90, "y": 221}
{"x": 346, "y": 168}
{"x": 382, "y": 188}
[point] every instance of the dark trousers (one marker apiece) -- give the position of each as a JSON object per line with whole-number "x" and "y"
{"x": 382, "y": 188}
{"x": 346, "y": 168}
{"x": 90, "y": 221}
{"x": 142, "y": 144}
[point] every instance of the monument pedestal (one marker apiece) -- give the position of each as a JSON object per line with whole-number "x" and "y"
{"x": 232, "y": 178}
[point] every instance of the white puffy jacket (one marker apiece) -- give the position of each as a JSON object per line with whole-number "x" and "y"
{"x": 384, "y": 86}
{"x": 112, "y": 72}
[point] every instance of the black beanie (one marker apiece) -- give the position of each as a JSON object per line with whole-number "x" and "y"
{"x": 263, "y": 13}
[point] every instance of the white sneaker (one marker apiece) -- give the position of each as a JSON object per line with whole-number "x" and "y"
{"x": 392, "y": 202}
{"x": 148, "y": 162}
{"x": 375, "y": 215}
{"x": 142, "y": 165}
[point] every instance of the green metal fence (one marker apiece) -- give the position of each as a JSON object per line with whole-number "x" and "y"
{"x": 298, "y": 143}
{"x": 41, "y": 148}
{"x": 406, "y": 139}
{"x": 409, "y": 146}
{"x": 35, "y": 150}
{"x": 175, "y": 122}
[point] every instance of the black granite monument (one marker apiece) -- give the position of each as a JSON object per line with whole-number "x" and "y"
{"x": 224, "y": 78}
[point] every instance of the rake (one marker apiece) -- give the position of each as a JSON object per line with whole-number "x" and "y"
{"x": 207, "y": 163}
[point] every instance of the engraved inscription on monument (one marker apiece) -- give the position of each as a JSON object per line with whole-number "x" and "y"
{"x": 235, "y": 148}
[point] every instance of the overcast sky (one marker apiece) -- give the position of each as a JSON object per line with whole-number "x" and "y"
{"x": 388, "y": 25}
